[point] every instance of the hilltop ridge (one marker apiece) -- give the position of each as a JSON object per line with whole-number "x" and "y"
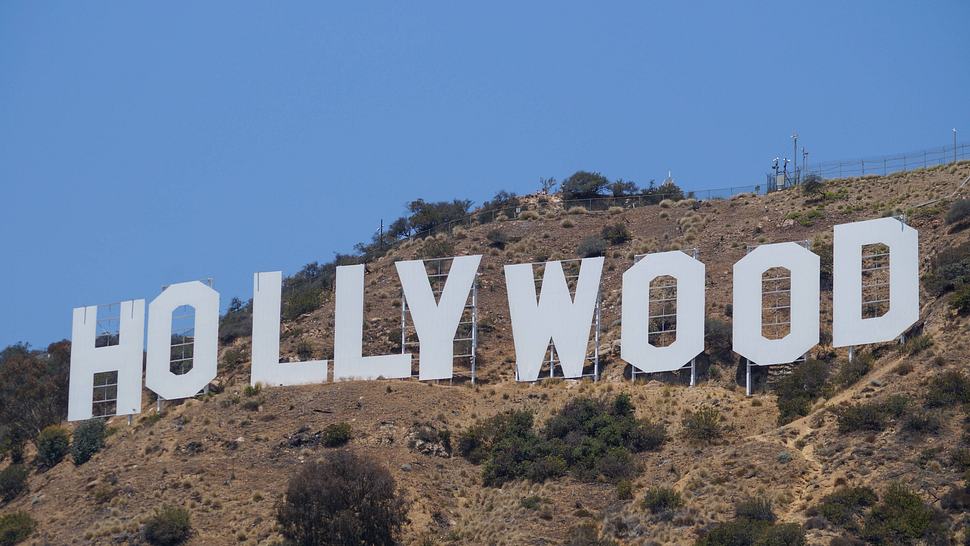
{"x": 227, "y": 456}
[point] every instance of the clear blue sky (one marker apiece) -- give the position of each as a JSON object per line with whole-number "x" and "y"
{"x": 143, "y": 144}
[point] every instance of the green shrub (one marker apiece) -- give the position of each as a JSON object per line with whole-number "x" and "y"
{"x": 785, "y": 534}
{"x": 871, "y": 416}
{"x": 921, "y": 422}
{"x": 591, "y": 246}
{"x": 589, "y": 438}
{"x": 960, "y": 301}
{"x": 237, "y": 322}
{"x": 614, "y": 465}
{"x": 895, "y": 405}
{"x": 917, "y": 344}
{"x": 502, "y": 203}
{"x": 703, "y": 425}
{"x": 667, "y": 190}
{"x": 624, "y": 490}
{"x": 812, "y": 184}
{"x": 949, "y": 388}
{"x": 616, "y": 234}
{"x": 253, "y": 390}
{"x": 950, "y": 269}
{"x": 862, "y": 417}
{"x": 754, "y": 509}
{"x": 301, "y": 301}
{"x": 88, "y": 440}
{"x": 717, "y": 336}
{"x": 851, "y": 372}
{"x": 233, "y": 358}
{"x": 799, "y": 390}
{"x": 346, "y": 499}
{"x": 52, "y": 445}
{"x": 13, "y": 481}
{"x": 33, "y": 392}
{"x": 662, "y": 499}
{"x": 844, "y": 505}
{"x": 431, "y": 216}
{"x": 583, "y": 185}
{"x": 959, "y": 211}
{"x": 901, "y": 517}
{"x": 596, "y": 436}
{"x": 516, "y": 457}
{"x": 336, "y": 434}
{"x": 477, "y": 442}
{"x": 304, "y": 351}
{"x": 434, "y": 247}
{"x": 826, "y": 261}
{"x": 169, "y": 526}
{"x": 587, "y": 535}
{"x": 531, "y": 503}
{"x": 731, "y": 533}
{"x": 648, "y": 436}
{"x": 754, "y": 525}
{"x": 15, "y": 528}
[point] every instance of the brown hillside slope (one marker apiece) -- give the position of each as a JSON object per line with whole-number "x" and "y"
{"x": 227, "y": 457}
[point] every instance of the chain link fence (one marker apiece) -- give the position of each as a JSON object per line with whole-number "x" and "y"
{"x": 879, "y": 165}
{"x": 888, "y": 164}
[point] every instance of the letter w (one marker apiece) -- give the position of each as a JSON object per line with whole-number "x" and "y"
{"x": 556, "y": 316}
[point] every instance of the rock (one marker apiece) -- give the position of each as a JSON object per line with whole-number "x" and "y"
{"x": 194, "y": 448}
{"x": 406, "y": 467}
{"x": 428, "y": 440}
{"x": 303, "y": 438}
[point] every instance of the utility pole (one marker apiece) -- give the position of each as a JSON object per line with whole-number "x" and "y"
{"x": 382, "y": 234}
{"x": 954, "y": 144}
{"x": 794, "y": 154}
{"x": 804, "y": 158}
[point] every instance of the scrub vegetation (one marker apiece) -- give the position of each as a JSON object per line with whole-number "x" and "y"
{"x": 873, "y": 451}
{"x": 588, "y": 438}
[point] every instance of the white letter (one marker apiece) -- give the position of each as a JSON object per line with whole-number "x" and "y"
{"x": 158, "y": 374}
{"x": 267, "y": 369}
{"x": 555, "y": 316}
{"x": 348, "y": 362}
{"x": 803, "y": 267}
{"x": 437, "y": 322}
{"x": 848, "y": 326}
{"x": 635, "y": 346}
{"x": 124, "y": 358}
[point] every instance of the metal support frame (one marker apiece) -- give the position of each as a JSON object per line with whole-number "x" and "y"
{"x": 779, "y": 287}
{"x": 664, "y": 299}
{"x": 875, "y": 281}
{"x": 437, "y": 276}
{"x": 105, "y": 394}
{"x": 183, "y": 361}
{"x": 104, "y": 391}
{"x": 571, "y": 269}
{"x": 108, "y": 325}
{"x": 182, "y": 344}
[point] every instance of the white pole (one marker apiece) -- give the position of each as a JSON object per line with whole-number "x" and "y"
{"x": 747, "y": 363}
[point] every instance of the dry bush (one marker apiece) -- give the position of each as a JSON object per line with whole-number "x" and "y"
{"x": 345, "y": 500}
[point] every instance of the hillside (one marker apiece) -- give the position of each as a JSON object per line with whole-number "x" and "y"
{"x": 227, "y": 456}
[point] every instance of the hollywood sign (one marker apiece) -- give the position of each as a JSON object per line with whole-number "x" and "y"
{"x": 555, "y": 315}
